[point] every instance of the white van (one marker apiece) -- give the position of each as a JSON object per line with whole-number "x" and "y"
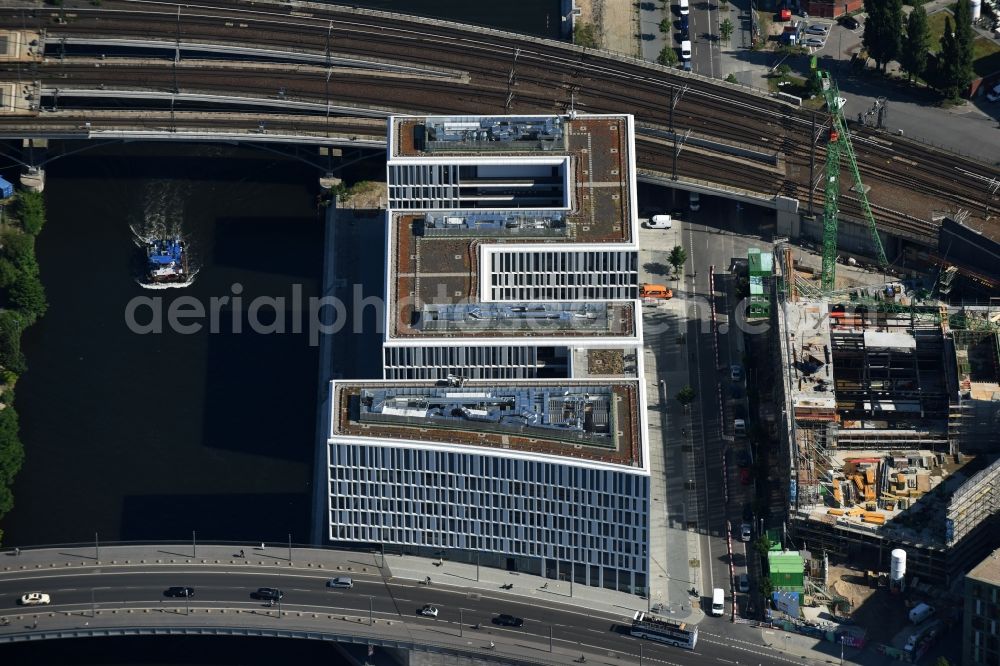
{"x": 660, "y": 222}
{"x": 718, "y": 601}
{"x": 694, "y": 201}
{"x": 686, "y": 49}
{"x": 684, "y": 7}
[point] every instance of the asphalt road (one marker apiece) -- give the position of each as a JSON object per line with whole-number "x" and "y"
{"x": 704, "y": 24}
{"x": 138, "y": 587}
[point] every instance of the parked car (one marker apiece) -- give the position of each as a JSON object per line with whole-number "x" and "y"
{"x": 659, "y": 222}
{"x": 735, "y": 373}
{"x": 179, "y": 592}
{"x": 344, "y": 582}
{"x": 268, "y": 594}
{"x": 747, "y": 512}
{"x": 815, "y": 42}
{"x": 818, "y": 29}
{"x": 744, "y": 458}
{"x": 694, "y": 201}
{"x": 739, "y": 427}
{"x": 428, "y": 611}
{"x": 745, "y": 476}
{"x": 849, "y": 22}
{"x": 505, "y": 620}
{"x": 745, "y": 532}
{"x": 994, "y": 94}
{"x": 686, "y": 49}
{"x": 743, "y": 583}
{"x": 35, "y": 599}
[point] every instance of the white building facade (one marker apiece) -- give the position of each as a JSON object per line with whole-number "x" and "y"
{"x": 541, "y": 516}
{"x": 511, "y": 269}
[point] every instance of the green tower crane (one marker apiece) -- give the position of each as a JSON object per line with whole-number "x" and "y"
{"x": 839, "y": 144}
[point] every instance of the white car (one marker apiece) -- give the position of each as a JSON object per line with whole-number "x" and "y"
{"x": 686, "y": 49}
{"x": 428, "y": 611}
{"x": 818, "y": 29}
{"x": 815, "y": 42}
{"x": 35, "y": 599}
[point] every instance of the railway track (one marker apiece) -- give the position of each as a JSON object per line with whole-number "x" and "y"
{"x": 547, "y": 75}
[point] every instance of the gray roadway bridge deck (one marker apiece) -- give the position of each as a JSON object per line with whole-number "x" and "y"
{"x": 116, "y": 591}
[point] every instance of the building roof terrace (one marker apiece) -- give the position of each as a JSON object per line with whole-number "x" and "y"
{"x": 596, "y": 421}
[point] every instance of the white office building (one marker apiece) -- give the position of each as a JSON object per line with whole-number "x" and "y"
{"x": 510, "y": 424}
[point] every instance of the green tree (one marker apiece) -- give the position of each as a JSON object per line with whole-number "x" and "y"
{"x": 731, "y": 78}
{"x": 963, "y": 39}
{"x": 668, "y": 56}
{"x": 949, "y": 78}
{"x": 11, "y": 450}
{"x": 942, "y": 661}
{"x": 883, "y": 30}
{"x": 766, "y": 587}
{"x": 726, "y": 30}
{"x": 30, "y": 208}
{"x": 6, "y": 499}
{"x": 28, "y": 294}
{"x": 11, "y": 357}
{"x": 19, "y": 248}
{"x": 8, "y": 272}
{"x": 686, "y": 396}
{"x": 913, "y": 55}
{"x": 585, "y": 34}
{"x": 762, "y": 545}
{"x": 678, "y": 255}
{"x": 665, "y": 26}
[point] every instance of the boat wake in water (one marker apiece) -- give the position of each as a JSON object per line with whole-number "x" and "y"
{"x": 167, "y": 260}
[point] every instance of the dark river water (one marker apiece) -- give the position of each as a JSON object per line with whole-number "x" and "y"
{"x": 151, "y": 436}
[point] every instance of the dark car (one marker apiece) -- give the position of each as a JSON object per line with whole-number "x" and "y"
{"x": 745, "y": 476}
{"x": 849, "y": 22}
{"x": 744, "y": 459}
{"x": 179, "y": 592}
{"x": 747, "y": 512}
{"x": 268, "y": 594}
{"x": 508, "y": 621}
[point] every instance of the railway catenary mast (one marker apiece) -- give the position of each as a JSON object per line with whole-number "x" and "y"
{"x": 839, "y": 143}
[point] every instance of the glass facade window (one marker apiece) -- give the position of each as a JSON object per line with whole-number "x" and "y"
{"x": 524, "y": 505}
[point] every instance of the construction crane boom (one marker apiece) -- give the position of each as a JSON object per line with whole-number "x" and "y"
{"x": 840, "y": 144}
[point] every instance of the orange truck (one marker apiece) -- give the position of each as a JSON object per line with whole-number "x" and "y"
{"x": 655, "y": 291}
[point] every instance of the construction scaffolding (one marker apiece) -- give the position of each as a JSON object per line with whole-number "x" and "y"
{"x": 884, "y": 403}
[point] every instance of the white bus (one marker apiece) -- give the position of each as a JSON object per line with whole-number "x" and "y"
{"x": 656, "y": 628}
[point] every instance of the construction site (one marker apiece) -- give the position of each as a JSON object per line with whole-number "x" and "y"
{"x": 892, "y": 427}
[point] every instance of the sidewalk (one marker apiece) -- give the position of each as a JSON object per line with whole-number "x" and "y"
{"x": 736, "y": 57}
{"x": 489, "y": 580}
{"x": 675, "y": 553}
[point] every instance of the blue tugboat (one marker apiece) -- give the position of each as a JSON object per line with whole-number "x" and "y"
{"x": 166, "y": 264}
